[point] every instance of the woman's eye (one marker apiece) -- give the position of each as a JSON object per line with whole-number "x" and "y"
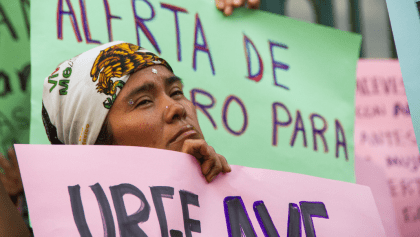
{"x": 178, "y": 92}
{"x": 144, "y": 102}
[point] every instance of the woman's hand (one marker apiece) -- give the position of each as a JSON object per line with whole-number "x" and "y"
{"x": 227, "y": 6}
{"x": 11, "y": 178}
{"x": 211, "y": 162}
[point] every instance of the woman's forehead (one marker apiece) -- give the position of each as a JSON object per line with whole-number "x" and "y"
{"x": 152, "y": 73}
{"x": 149, "y": 78}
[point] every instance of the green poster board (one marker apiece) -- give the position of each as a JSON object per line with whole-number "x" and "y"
{"x": 14, "y": 73}
{"x": 272, "y": 92}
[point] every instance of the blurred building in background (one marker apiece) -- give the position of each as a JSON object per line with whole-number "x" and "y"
{"x": 368, "y": 17}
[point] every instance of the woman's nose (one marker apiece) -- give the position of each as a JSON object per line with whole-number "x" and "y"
{"x": 174, "y": 111}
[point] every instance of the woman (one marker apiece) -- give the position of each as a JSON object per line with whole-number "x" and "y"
{"x": 118, "y": 94}
{"x": 121, "y": 94}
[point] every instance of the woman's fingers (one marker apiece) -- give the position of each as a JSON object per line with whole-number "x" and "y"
{"x": 211, "y": 162}
{"x": 206, "y": 166}
{"x": 225, "y": 166}
{"x": 194, "y": 147}
{"x": 238, "y": 3}
{"x": 253, "y": 4}
{"x": 219, "y": 165}
{"x": 220, "y": 4}
{"x": 227, "y": 6}
{"x": 215, "y": 170}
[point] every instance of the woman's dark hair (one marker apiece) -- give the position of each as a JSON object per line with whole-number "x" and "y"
{"x": 105, "y": 136}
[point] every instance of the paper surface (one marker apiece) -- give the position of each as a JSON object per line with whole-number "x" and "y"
{"x": 348, "y": 209}
{"x": 405, "y": 23}
{"x": 387, "y": 157}
{"x": 305, "y": 110}
{"x": 14, "y": 74}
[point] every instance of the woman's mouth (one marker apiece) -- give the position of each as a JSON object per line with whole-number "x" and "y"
{"x": 184, "y": 133}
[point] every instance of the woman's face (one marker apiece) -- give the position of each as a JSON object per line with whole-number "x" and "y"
{"x": 152, "y": 111}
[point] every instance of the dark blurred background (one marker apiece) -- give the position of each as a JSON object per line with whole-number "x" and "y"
{"x": 368, "y": 17}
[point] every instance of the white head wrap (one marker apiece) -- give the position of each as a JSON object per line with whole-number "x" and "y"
{"x": 77, "y": 96}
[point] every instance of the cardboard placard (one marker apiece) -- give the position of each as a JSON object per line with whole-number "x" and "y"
{"x": 387, "y": 156}
{"x": 125, "y": 191}
{"x": 285, "y": 94}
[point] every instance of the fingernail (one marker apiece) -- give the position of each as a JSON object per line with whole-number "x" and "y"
{"x": 228, "y": 11}
{"x": 212, "y": 178}
{"x": 237, "y": 2}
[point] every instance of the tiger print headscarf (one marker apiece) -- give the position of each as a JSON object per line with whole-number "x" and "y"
{"x": 77, "y": 96}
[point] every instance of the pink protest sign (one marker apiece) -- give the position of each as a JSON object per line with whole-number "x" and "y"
{"x": 135, "y": 191}
{"x": 387, "y": 157}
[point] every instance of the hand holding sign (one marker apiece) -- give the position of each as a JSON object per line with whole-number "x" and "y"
{"x": 211, "y": 162}
{"x": 11, "y": 177}
{"x": 227, "y": 6}
{"x": 11, "y": 223}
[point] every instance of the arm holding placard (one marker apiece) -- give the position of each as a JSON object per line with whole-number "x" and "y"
{"x": 11, "y": 178}
{"x": 11, "y": 223}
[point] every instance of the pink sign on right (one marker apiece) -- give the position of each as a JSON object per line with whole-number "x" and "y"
{"x": 386, "y": 153}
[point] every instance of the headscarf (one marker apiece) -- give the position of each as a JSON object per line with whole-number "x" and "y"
{"x": 80, "y": 92}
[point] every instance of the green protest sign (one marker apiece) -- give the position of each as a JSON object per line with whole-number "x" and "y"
{"x": 271, "y": 92}
{"x": 14, "y": 73}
